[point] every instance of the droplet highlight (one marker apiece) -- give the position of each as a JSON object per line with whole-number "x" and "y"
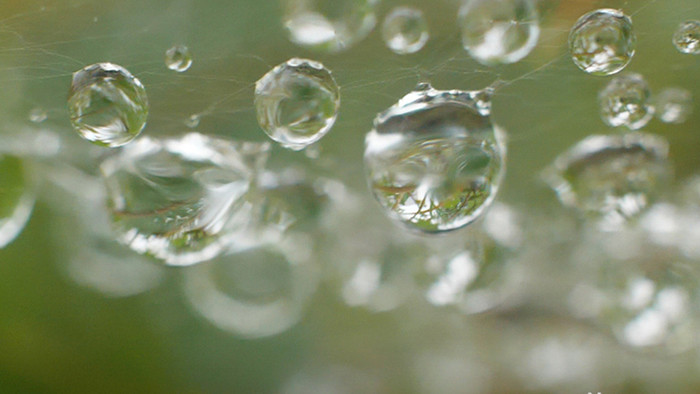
{"x": 673, "y": 105}
{"x": 405, "y": 30}
{"x": 178, "y": 58}
{"x": 625, "y": 101}
{"x": 16, "y": 198}
{"x": 38, "y": 115}
{"x": 602, "y": 42}
{"x": 687, "y": 37}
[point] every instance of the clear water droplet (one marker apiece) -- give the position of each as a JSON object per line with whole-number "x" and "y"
{"x": 625, "y": 101}
{"x": 329, "y": 25}
{"x": 181, "y": 200}
{"x": 107, "y": 105}
{"x": 499, "y": 31}
{"x": 673, "y": 105}
{"x": 297, "y": 103}
{"x": 405, "y": 30}
{"x": 16, "y": 198}
{"x": 687, "y": 37}
{"x": 193, "y": 121}
{"x": 434, "y": 160}
{"x": 602, "y": 42}
{"x": 37, "y": 115}
{"x": 178, "y": 58}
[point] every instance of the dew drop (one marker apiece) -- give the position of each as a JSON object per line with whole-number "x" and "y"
{"x": 108, "y": 106}
{"x": 16, "y": 198}
{"x": 499, "y": 31}
{"x": 38, "y": 115}
{"x": 687, "y": 37}
{"x": 434, "y": 160}
{"x": 602, "y": 42}
{"x": 193, "y": 121}
{"x": 297, "y": 103}
{"x": 673, "y": 105}
{"x": 625, "y": 101}
{"x": 178, "y": 58}
{"x": 405, "y": 30}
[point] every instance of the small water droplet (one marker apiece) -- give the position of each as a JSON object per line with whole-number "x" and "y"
{"x": 687, "y": 37}
{"x": 434, "y": 160}
{"x": 625, "y": 101}
{"x": 37, "y": 115}
{"x": 499, "y": 31}
{"x": 178, "y": 58}
{"x": 16, "y": 198}
{"x": 193, "y": 121}
{"x": 405, "y": 30}
{"x": 673, "y": 105}
{"x": 108, "y": 106}
{"x": 602, "y": 42}
{"x": 297, "y": 103}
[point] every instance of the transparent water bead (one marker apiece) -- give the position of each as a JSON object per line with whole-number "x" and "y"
{"x": 499, "y": 31}
{"x": 329, "y": 25}
{"x": 625, "y": 101}
{"x": 37, "y": 115}
{"x": 673, "y": 105}
{"x": 614, "y": 177}
{"x": 602, "y": 42}
{"x": 16, "y": 198}
{"x": 405, "y": 30}
{"x": 107, "y": 105}
{"x": 434, "y": 160}
{"x": 178, "y": 58}
{"x": 181, "y": 200}
{"x": 687, "y": 37}
{"x": 297, "y": 103}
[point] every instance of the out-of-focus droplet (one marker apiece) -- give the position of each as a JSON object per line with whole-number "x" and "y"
{"x": 178, "y": 58}
{"x": 615, "y": 177}
{"x": 37, "y": 115}
{"x": 625, "y": 101}
{"x": 673, "y": 105}
{"x": 329, "y": 25}
{"x": 434, "y": 160}
{"x": 405, "y": 30}
{"x": 602, "y": 42}
{"x": 687, "y": 37}
{"x": 297, "y": 103}
{"x": 180, "y": 200}
{"x": 107, "y": 105}
{"x": 499, "y": 31}
{"x": 16, "y": 198}
{"x": 193, "y": 121}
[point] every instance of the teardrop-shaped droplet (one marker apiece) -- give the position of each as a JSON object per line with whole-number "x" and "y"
{"x": 178, "y": 58}
{"x": 625, "y": 101}
{"x": 405, "y": 30}
{"x": 673, "y": 105}
{"x": 602, "y": 42}
{"x": 16, "y": 198}
{"x": 687, "y": 37}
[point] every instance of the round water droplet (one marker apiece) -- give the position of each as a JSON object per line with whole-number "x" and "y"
{"x": 499, "y": 31}
{"x": 16, "y": 198}
{"x": 625, "y": 102}
{"x": 687, "y": 37}
{"x": 181, "y": 200}
{"x": 37, "y": 115}
{"x": 434, "y": 160}
{"x": 329, "y": 25}
{"x": 193, "y": 121}
{"x": 673, "y": 105}
{"x": 602, "y": 42}
{"x": 405, "y": 30}
{"x": 178, "y": 58}
{"x": 297, "y": 103}
{"x": 107, "y": 105}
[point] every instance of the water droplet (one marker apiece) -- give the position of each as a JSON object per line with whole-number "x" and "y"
{"x": 625, "y": 102}
{"x": 434, "y": 160}
{"x": 405, "y": 30}
{"x": 193, "y": 121}
{"x": 673, "y": 105}
{"x": 613, "y": 177}
{"x": 37, "y": 115}
{"x": 181, "y": 200}
{"x": 687, "y": 37}
{"x": 297, "y": 103}
{"x": 16, "y": 198}
{"x": 499, "y": 31}
{"x": 107, "y": 105}
{"x": 602, "y": 42}
{"x": 178, "y": 58}
{"x": 329, "y": 25}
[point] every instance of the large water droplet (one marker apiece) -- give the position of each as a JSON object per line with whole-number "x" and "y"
{"x": 434, "y": 160}
{"x": 673, "y": 105}
{"x": 329, "y": 25}
{"x": 687, "y": 37}
{"x": 405, "y": 30}
{"x": 297, "y": 103}
{"x": 180, "y": 200}
{"x": 499, "y": 31}
{"x": 107, "y": 105}
{"x": 178, "y": 58}
{"x": 602, "y": 42}
{"x": 16, "y": 198}
{"x": 625, "y": 102}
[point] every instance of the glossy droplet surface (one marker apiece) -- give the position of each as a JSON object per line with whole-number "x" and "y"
{"x": 405, "y": 30}
{"x": 107, "y": 105}
{"x": 297, "y": 103}
{"x": 687, "y": 37}
{"x": 16, "y": 198}
{"x": 625, "y": 101}
{"x": 178, "y": 58}
{"x": 499, "y": 31}
{"x": 434, "y": 160}
{"x": 673, "y": 105}
{"x": 602, "y": 42}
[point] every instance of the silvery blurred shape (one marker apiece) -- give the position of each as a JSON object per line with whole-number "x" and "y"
{"x": 405, "y": 30}
{"x": 602, "y": 42}
{"x": 625, "y": 101}
{"x": 673, "y": 105}
{"x": 37, "y": 115}
{"x": 17, "y": 196}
